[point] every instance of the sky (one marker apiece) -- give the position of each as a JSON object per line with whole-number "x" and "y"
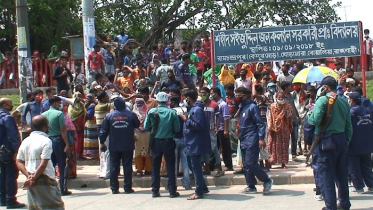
{"x": 357, "y": 10}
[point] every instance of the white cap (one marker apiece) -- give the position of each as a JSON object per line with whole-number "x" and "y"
{"x": 350, "y": 80}
{"x": 162, "y": 97}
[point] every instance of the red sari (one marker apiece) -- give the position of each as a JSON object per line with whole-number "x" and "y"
{"x": 279, "y": 129}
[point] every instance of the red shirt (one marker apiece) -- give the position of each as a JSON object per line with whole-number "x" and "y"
{"x": 207, "y": 49}
{"x": 232, "y": 105}
{"x": 95, "y": 60}
{"x": 201, "y": 55}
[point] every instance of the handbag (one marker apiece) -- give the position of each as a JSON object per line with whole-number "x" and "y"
{"x": 327, "y": 142}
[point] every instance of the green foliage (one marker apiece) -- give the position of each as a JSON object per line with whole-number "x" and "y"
{"x": 151, "y": 21}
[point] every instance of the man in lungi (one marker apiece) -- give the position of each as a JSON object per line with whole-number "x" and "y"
{"x": 33, "y": 160}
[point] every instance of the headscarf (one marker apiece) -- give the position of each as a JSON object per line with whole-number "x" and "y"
{"x": 76, "y": 109}
{"x": 279, "y": 117}
{"x": 140, "y": 112}
{"x": 225, "y": 78}
{"x": 256, "y": 69}
{"x": 248, "y": 67}
{"x": 54, "y": 54}
{"x": 231, "y": 70}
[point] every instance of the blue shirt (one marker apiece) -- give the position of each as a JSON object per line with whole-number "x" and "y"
{"x": 197, "y": 131}
{"x": 252, "y": 128}
{"x": 9, "y": 136}
{"x": 120, "y": 126}
{"x": 33, "y": 108}
{"x": 184, "y": 74}
{"x": 362, "y": 131}
{"x": 121, "y": 39}
{"x": 223, "y": 113}
{"x": 45, "y": 104}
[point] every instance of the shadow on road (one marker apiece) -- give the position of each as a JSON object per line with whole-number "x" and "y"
{"x": 361, "y": 198}
{"x": 275, "y": 192}
{"x": 228, "y": 197}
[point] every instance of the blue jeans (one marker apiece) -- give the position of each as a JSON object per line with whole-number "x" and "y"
{"x": 180, "y": 150}
{"x": 294, "y": 138}
{"x": 214, "y": 150}
{"x": 251, "y": 168}
{"x": 59, "y": 158}
{"x": 8, "y": 181}
{"x": 164, "y": 147}
{"x": 194, "y": 162}
{"x": 115, "y": 158}
{"x": 333, "y": 170}
{"x": 109, "y": 69}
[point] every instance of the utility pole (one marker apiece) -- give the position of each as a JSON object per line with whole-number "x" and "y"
{"x": 24, "y": 54}
{"x": 344, "y": 8}
{"x": 89, "y": 31}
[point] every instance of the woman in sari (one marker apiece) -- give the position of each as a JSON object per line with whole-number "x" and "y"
{"x": 225, "y": 78}
{"x": 54, "y": 55}
{"x": 142, "y": 158}
{"x": 279, "y": 119}
{"x": 90, "y": 149}
{"x": 76, "y": 113}
{"x": 71, "y": 138}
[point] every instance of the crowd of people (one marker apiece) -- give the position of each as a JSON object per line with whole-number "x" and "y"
{"x": 161, "y": 110}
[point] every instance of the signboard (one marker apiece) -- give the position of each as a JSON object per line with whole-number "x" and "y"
{"x": 77, "y": 47}
{"x": 287, "y": 43}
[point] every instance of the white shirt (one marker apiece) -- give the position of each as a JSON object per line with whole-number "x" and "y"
{"x": 282, "y": 77}
{"x": 367, "y": 45}
{"x": 35, "y": 148}
{"x": 242, "y": 83}
{"x": 20, "y": 109}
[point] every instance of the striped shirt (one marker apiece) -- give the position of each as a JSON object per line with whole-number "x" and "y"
{"x": 101, "y": 109}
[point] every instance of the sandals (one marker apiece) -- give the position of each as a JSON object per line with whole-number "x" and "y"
{"x": 194, "y": 197}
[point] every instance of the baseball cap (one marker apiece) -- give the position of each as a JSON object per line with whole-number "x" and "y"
{"x": 354, "y": 96}
{"x": 162, "y": 97}
{"x": 329, "y": 80}
{"x": 271, "y": 84}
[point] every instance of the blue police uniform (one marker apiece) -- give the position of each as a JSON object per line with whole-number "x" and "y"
{"x": 120, "y": 126}
{"x": 251, "y": 130}
{"x": 331, "y": 161}
{"x": 309, "y": 137}
{"x": 197, "y": 142}
{"x": 9, "y": 137}
{"x": 361, "y": 147}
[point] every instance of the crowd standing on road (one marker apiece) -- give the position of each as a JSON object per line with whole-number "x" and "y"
{"x": 156, "y": 109}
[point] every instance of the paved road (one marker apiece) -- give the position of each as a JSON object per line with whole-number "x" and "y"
{"x": 283, "y": 197}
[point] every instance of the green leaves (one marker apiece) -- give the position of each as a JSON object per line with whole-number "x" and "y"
{"x": 152, "y": 21}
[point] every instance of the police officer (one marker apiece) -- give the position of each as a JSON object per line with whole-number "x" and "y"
{"x": 251, "y": 134}
{"x": 120, "y": 126}
{"x": 361, "y": 145}
{"x": 9, "y": 138}
{"x": 163, "y": 144}
{"x": 332, "y": 151}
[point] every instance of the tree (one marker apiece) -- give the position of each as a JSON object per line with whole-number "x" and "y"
{"x": 48, "y": 20}
{"x": 152, "y": 21}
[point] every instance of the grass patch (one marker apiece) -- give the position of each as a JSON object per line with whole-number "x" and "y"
{"x": 15, "y": 99}
{"x": 370, "y": 89}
